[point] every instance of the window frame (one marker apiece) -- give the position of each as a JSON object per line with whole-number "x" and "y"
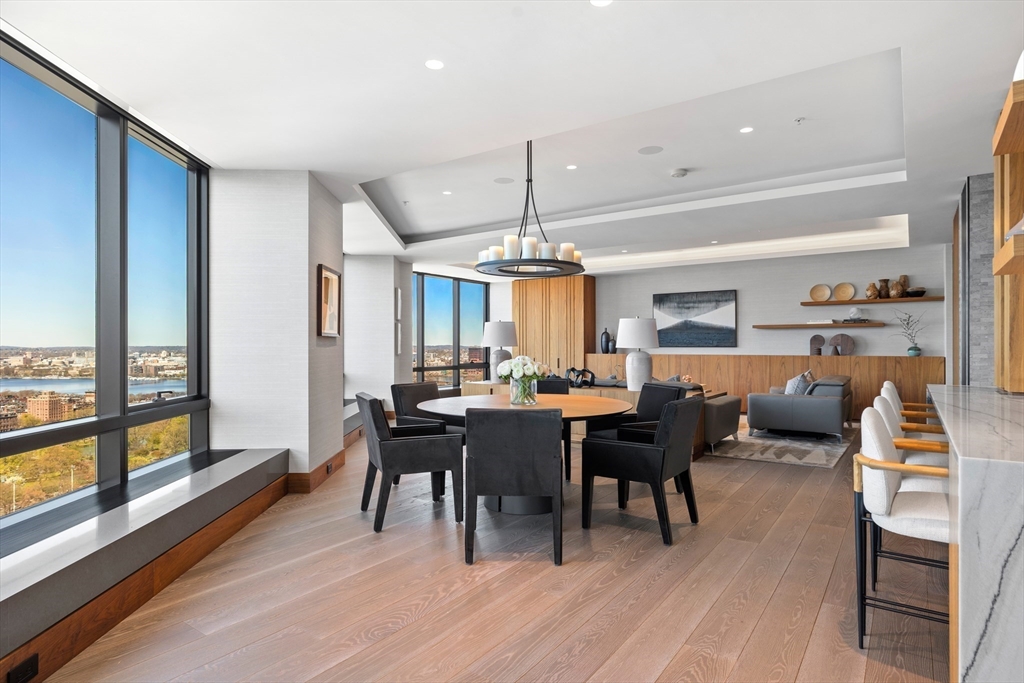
{"x": 456, "y": 367}
{"x": 113, "y": 415}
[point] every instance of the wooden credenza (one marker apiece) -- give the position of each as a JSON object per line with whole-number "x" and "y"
{"x": 555, "y": 320}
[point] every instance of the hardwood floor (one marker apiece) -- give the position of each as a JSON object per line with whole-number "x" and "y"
{"x": 762, "y": 589}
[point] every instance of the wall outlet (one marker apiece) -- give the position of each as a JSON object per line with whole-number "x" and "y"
{"x": 25, "y": 671}
{"x": 330, "y": 467}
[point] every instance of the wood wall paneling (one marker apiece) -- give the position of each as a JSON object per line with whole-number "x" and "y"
{"x": 1008, "y": 289}
{"x": 955, "y": 322}
{"x": 63, "y": 641}
{"x": 555, "y": 320}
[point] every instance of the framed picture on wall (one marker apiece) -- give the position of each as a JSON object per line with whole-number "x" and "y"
{"x": 696, "y": 319}
{"x": 328, "y": 294}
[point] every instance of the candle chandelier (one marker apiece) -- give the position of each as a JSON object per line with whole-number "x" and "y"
{"x": 522, "y": 256}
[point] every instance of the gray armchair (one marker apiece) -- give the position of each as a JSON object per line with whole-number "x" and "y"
{"x": 824, "y": 409}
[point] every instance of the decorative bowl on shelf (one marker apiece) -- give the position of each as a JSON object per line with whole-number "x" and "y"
{"x": 915, "y": 291}
{"x": 820, "y": 292}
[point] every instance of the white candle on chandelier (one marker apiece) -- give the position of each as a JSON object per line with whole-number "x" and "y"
{"x": 547, "y": 251}
{"x": 567, "y": 251}
{"x": 511, "y": 246}
{"x": 577, "y": 256}
{"x": 529, "y": 247}
{"x": 484, "y": 255}
{"x": 495, "y": 253}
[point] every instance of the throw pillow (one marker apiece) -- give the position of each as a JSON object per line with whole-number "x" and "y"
{"x": 799, "y": 384}
{"x": 673, "y": 378}
{"x": 612, "y": 377}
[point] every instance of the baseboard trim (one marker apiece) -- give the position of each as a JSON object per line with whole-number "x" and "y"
{"x": 66, "y": 639}
{"x": 354, "y": 436}
{"x": 306, "y": 482}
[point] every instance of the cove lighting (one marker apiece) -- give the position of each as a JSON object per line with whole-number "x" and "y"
{"x": 748, "y": 129}
{"x": 434, "y": 64}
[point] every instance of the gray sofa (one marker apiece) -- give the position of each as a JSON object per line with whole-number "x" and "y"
{"x": 824, "y": 409}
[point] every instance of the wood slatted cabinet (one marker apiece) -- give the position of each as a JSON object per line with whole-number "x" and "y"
{"x": 555, "y": 320}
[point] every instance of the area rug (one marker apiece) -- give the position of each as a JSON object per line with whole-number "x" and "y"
{"x": 792, "y": 450}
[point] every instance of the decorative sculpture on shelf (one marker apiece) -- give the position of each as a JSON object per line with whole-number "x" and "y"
{"x": 897, "y": 290}
{"x": 871, "y": 291}
{"x": 605, "y": 339}
{"x": 905, "y": 281}
{"x": 817, "y": 341}
{"x": 842, "y": 345}
{"x": 883, "y": 288}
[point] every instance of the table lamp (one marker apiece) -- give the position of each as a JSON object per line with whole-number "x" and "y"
{"x": 639, "y": 334}
{"x": 496, "y": 335}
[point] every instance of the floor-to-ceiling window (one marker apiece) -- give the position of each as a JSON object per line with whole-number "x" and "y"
{"x": 448, "y": 325}
{"x": 101, "y": 291}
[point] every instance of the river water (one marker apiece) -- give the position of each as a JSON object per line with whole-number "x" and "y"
{"x": 80, "y": 386}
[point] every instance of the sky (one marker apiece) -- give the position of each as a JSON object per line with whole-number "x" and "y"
{"x": 48, "y": 226}
{"x": 437, "y": 312}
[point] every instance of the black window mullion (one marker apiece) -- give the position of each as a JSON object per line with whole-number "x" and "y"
{"x": 422, "y": 323}
{"x": 457, "y": 343}
{"x": 111, "y": 302}
{"x": 199, "y": 311}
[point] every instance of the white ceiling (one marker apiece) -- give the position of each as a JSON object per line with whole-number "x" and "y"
{"x": 340, "y": 89}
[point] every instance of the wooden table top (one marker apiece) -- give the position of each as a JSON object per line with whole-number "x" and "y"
{"x": 574, "y": 407}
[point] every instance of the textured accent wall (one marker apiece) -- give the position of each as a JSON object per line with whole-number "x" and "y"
{"x": 326, "y": 354}
{"x": 770, "y": 291}
{"x": 273, "y": 383}
{"x": 979, "y": 308}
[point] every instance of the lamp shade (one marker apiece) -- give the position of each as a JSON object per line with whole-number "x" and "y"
{"x": 637, "y": 333}
{"x": 500, "y": 333}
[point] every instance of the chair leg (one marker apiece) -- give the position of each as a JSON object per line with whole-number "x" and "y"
{"x": 691, "y": 498}
{"x": 398, "y": 478}
{"x": 661, "y": 505}
{"x": 678, "y": 479}
{"x": 436, "y": 482}
{"x": 588, "y": 500}
{"x": 471, "y": 504}
{"x": 876, "y": 545}
{"x": 858, "y": 527}
{"x": 556, "y": 526}
{"x": 382, "y": 501}
{"x": 457, "y": 489}
{"x": 623, "y": 493}
{"x": 567, "y": 448}
{"x": 371, "y": 474}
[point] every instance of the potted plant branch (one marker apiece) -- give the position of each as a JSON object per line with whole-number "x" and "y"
{"x": 910, "y": 327}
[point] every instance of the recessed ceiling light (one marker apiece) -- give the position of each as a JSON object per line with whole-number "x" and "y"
{"x": 571, "y": 167}
{"x": 714, "y": 241}
{"x": 747, "y": 129}
{"x": 653, "y": 149}
{"x": 434, "y": 64}
{"x": 446, "y": 192}
{"x": 503, "y": 181}
{"x": 625, "y": 251}
{"x": 600, "y": 3}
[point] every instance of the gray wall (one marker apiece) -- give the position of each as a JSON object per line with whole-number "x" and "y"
{"x": 769, "y": 291}
{"x": 326, "y": 354}
{"x": 268, "y": 230}
{"x": 978, "y": 302}
{"x": 370, "y": 360}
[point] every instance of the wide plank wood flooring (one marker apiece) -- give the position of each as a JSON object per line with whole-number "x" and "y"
{"x": 762, "y": 589}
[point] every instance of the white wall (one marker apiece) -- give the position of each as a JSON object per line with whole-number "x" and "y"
{"x": 371, "y": 364}
{"x": 500, "y": 294}
{"x": 326, "y": 354}
{"x": 769, "y": 291}
{"x": 273, "y": 383}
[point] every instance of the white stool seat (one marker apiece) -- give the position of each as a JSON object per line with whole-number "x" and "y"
{"x": 917, "y": 514}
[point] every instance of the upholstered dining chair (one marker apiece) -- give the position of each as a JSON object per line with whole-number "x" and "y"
{"x": 653, "y": 398}
{"x": 392, "y": 453}
{"x": 513, "y": 453}
{"x": 407, "y": 398}
{"x": 560, "y": 385}
{"x": 666, "y": 458}
{"x": 880, "y": 499}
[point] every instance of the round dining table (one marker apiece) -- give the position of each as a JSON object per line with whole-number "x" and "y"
{"x": 574, "y": 408}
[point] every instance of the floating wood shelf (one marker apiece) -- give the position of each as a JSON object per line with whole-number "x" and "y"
{"x": 808, "y": 326}
{"x": 1009, "y": 260}
{"x": 861, "y": 302}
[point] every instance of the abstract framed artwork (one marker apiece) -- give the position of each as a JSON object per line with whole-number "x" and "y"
{"x": 328, "y": 295}
{"x": 696, "y": 319}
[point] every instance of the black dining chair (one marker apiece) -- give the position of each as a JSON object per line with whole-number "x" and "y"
{"x": 560, "y": 385}
{"x": 392, "y": 452}
{"x": 407, "y": 398}
{"x": 653, "y": 398}
{"x": 513, "y": 453}
{"x": 652, "y": 464}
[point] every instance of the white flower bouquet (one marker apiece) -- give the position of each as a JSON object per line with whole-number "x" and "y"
{"x": 522, "y": 373}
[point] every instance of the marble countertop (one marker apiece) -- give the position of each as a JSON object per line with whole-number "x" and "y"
{"x": 981, "y": 422}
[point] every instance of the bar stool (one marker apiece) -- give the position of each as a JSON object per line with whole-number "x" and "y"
{"x": 914, "y": 410}
{"x": 879, "y": 500}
